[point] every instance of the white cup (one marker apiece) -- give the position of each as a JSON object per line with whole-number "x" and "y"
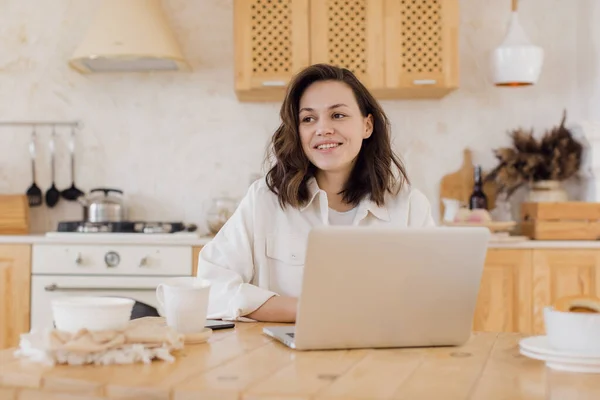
{"x": 572, "y": 331}
{"x": 184, "y": 302}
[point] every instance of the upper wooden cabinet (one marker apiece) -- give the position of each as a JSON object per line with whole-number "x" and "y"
{"x": 271, "y": 45}
{"x": 397, "y": 48}
{"x": 421, "y": 47}
{"x": 349, "y": 34}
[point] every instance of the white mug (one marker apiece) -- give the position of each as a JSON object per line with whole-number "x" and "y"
{"x": 184, "y": 302}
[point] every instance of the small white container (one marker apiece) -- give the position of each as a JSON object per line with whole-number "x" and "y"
{"x": 184, "y": 302}
{"x": 572, "y": 330}
{"x": 93, "y": 313}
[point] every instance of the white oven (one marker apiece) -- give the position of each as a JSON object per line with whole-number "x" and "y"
{"x": 124, "y": 270}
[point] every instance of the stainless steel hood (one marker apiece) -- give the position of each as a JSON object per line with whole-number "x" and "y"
{"x": 129, "y": 36}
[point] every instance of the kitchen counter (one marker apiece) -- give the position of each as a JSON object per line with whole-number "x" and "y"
{"x": 192, "y": 239}
{"x": 244, "y": 363}
{"x": 183, "y": 239}
{"x": 546, "y": 244}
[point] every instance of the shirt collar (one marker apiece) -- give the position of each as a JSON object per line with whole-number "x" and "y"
{"x": 367, "y": 205}
{"x": 313, "y": 191}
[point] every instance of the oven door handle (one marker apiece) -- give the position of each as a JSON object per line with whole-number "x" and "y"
{"x": 55, "y": 288}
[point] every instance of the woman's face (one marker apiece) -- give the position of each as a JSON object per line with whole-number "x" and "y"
{"x": 332, "y": 127}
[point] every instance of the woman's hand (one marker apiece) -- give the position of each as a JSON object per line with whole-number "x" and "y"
{"x": 276, "y": 309}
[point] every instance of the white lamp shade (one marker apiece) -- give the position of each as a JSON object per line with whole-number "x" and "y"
{"x": 129, "y": 35}
{"x": 516, "y": 62}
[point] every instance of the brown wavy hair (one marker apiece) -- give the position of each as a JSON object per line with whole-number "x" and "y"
{"x": 373, "y": 172}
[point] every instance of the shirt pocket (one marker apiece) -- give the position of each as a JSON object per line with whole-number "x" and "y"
{"x": 286, "y": 249}
{"x": 286, "y": 256}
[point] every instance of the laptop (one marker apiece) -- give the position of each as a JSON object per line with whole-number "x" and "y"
{"x": 380, "y": 287}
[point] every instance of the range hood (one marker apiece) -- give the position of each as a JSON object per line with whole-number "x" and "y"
{"x": 129, "y": 36}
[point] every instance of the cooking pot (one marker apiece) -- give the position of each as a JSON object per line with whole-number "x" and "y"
{"x": 103, "y": 205}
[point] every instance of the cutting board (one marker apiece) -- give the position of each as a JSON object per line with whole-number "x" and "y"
{"x": 14, "y": 215}
{"x": 459, "y": 184}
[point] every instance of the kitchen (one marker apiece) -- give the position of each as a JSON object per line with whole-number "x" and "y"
{"x": 176, "y": 141}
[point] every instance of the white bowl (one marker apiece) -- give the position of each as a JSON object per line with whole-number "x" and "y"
{"x": 93, "y": 313}
{"x": 572, "y": 331}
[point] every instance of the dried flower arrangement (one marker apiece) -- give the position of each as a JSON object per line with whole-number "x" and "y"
{"x": 556, "y": 156}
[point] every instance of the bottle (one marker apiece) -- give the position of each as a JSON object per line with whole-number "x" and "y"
{"x": 478, "y": 199}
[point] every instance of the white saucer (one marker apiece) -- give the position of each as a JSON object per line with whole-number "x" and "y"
{"x": 561, "y": 364}
{"x": 540, "y": 344}
{"x": 537, "y": 347}
{"x": 198, "y": 337}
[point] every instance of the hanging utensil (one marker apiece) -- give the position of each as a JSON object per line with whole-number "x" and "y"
{"x": 52, "y": 195}
{"x": 34, "y": 193}
{"x": 72, "y": 193}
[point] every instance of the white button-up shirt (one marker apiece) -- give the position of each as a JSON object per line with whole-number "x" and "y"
{"x": 259, "y": 252}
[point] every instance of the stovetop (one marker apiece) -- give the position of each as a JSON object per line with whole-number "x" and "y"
{"x": 142, "y": 227}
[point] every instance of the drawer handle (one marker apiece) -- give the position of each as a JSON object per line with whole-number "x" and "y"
{"x": 273, "y": 83}
{"x": 55, "y": 288}
{"x": 424, "y": 81}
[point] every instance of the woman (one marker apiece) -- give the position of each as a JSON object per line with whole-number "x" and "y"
{"x": 333, "y": 164}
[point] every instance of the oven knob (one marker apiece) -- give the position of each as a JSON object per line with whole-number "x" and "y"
{"x": 112, "y": 259}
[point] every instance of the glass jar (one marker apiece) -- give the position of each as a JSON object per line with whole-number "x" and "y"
{"x": 220, "y": 210}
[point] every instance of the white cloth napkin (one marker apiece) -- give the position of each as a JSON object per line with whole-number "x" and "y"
{"x": 143, "y": 340}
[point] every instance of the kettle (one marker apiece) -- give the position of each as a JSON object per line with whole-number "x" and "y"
{"x": 103, "y": 205}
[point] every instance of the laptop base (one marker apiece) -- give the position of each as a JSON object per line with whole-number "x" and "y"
{"x": 285, "y": 334}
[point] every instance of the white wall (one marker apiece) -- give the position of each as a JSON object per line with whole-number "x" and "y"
{"x": 172, "y": 141}
{"x": 588, "y": 59}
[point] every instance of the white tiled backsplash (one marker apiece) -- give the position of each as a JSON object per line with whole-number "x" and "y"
{"x": 172, "y": 141}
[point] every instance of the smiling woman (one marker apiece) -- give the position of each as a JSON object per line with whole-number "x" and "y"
{"x": 333, "y": 164}
{"x": 333, "y": 129}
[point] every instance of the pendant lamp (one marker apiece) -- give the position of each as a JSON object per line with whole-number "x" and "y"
{"x": 516, "y": 62}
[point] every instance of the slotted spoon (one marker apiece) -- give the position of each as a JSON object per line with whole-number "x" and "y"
{"x": 73, "y": 192}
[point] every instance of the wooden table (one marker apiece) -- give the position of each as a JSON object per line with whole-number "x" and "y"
{"x": 242, "y": 363}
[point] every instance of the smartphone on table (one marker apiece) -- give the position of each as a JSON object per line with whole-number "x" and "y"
{"x": 215, "y": 324}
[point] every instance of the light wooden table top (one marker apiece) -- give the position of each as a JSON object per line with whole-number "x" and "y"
{"x": 243, "y": 363}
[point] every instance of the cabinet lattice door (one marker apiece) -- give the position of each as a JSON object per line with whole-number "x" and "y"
{"x": 271, "y": 45}
{"x": 397, "y": 48}
{"x": 349, "y": 34}
{"x": 421, "y": 45}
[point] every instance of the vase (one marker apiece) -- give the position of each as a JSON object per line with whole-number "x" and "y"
{"x": 546, "y": 191}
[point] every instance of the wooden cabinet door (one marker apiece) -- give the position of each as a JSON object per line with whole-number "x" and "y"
{"x": 349, "y": 34}
{"x": 15, "y": 289}
{"x": 504, "y": 303}
{"x": 421, "y": 47}
{"x": 559, "y": 273}
{"x": 271, "y": 44}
